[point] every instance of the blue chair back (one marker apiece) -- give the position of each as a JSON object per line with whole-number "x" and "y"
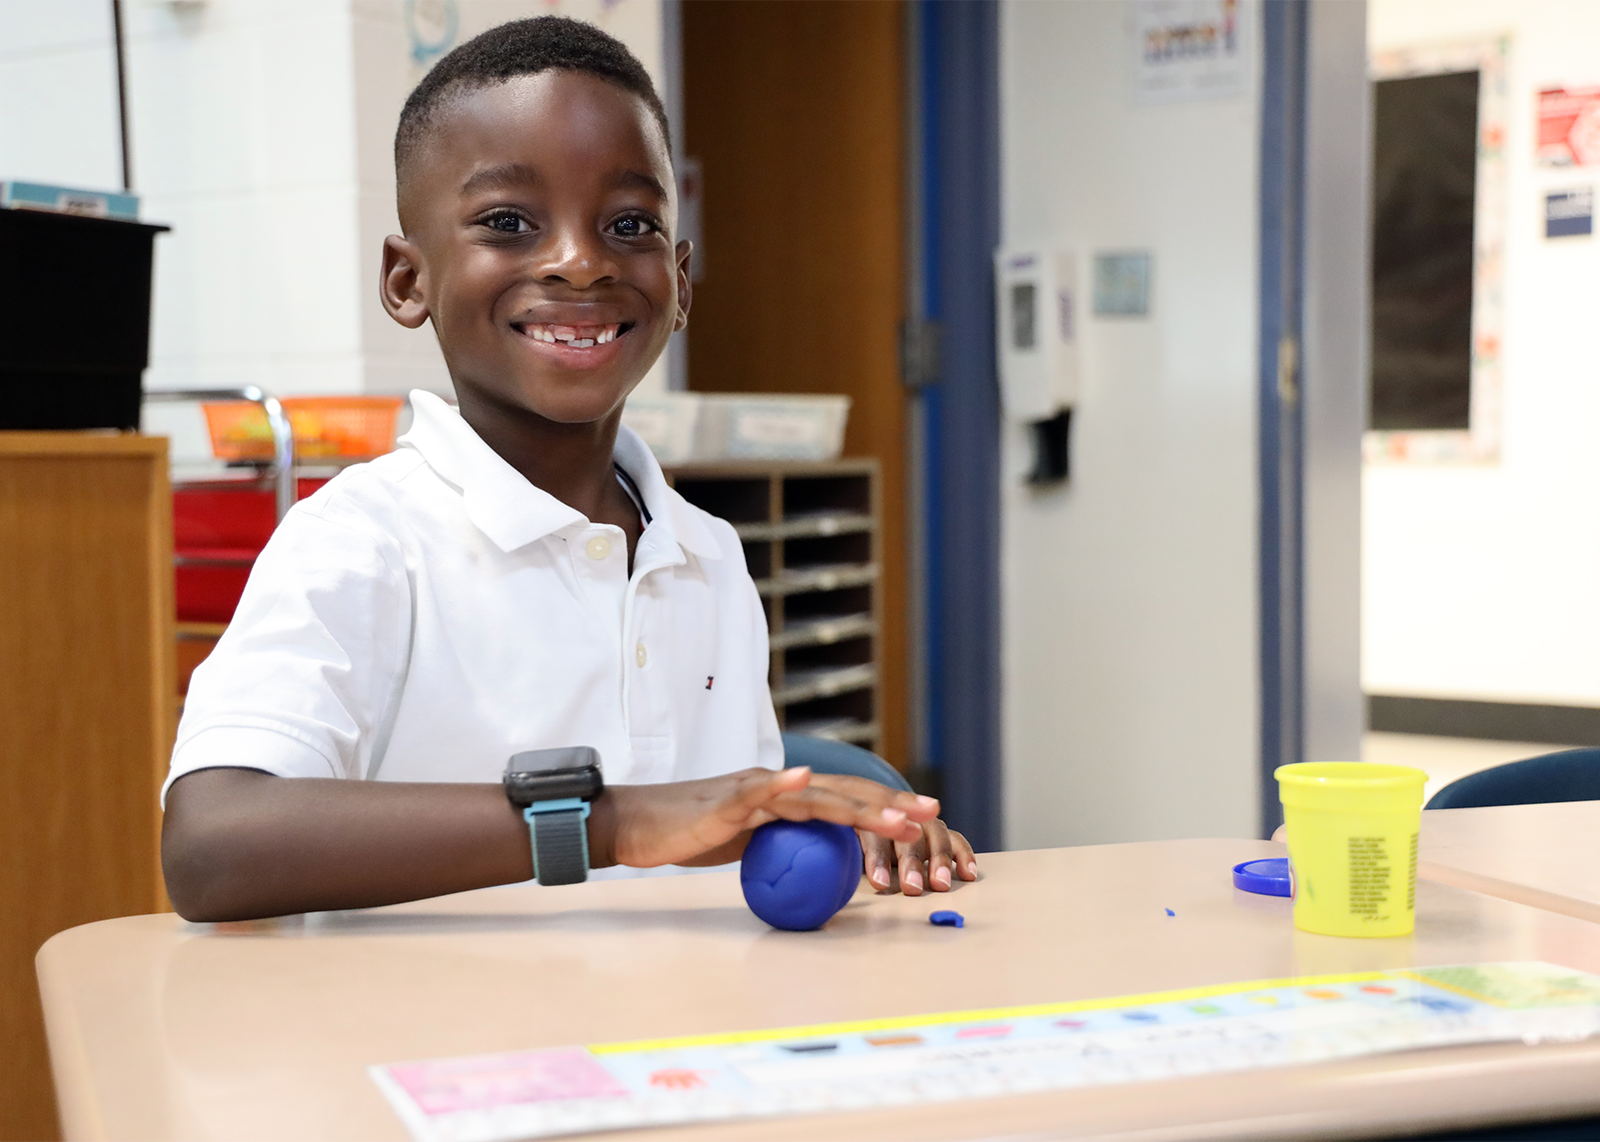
{"x": 824, "y": 755}
{"x": 1571, "y": 775}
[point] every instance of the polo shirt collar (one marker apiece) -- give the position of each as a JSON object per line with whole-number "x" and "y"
{"x": 681, "y": 522}
{"x": 512, "y": 512}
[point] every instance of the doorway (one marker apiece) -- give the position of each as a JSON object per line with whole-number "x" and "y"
{"x": 796, "y": 113}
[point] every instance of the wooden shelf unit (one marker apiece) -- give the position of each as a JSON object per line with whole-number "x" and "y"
{"x": 86, "y": 685}
{"x": 813, "y": 544}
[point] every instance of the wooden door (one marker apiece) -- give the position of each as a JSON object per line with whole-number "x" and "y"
{"x": 796, "y": 111}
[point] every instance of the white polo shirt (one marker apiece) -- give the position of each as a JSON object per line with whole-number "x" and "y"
{"x": 425, "y": 616}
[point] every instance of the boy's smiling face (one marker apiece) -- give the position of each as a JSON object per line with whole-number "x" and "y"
{"x": 538, "y": 217}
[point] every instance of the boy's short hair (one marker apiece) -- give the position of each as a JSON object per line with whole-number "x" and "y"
{"x": 523, "y": 47}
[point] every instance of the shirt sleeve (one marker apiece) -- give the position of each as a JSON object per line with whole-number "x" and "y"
{"x": 304, "y": 680}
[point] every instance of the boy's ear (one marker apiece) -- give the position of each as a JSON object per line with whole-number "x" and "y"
{"x": 685, "y": 284}
{"x": 402, "y": 282}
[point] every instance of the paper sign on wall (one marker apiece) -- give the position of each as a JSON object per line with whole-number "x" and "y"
{"x": 1569, "y": 213}
{"x": 1189, "y": 49}
{"x": 1569, "y": 126}
{"x": 1122, "y": 285}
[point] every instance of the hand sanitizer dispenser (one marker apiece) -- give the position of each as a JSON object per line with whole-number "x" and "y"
{"x": 1036, "y": 319}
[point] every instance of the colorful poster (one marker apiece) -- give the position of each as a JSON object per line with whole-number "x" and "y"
{"x": 1189, "y": 49}
{"x": 976, "y": 1054}
{"x": 1569, "y": 126}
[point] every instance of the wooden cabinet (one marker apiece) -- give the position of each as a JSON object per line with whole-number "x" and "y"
{"x": 812, "y": 540}
{"x": 86, "y": 708}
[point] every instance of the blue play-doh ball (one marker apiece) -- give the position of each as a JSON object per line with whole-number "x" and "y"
{"x": 797, "y": 874}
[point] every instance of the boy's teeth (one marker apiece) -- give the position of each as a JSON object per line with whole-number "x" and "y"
{"x": 576, "y": 337}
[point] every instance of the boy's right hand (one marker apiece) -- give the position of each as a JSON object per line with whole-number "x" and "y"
{"x": 708, "y": 821}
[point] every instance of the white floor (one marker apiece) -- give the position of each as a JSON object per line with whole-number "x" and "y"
{"x": 1445, "y": 759}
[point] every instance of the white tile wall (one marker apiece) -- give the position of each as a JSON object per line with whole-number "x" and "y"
{"x": 58, "y": 94}
{"x": 33, "y": 29}
{"x": 244, "y": 133}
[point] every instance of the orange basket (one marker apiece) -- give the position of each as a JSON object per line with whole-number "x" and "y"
{"x": 324, "y": 427}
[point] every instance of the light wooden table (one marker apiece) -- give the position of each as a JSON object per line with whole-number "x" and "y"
{"x": 1544, "y": 855}
{"x": 160, "y": 1029}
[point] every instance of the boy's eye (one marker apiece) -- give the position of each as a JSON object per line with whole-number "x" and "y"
{"x": 506, "y": 222}
{"x": 634, "y": 226}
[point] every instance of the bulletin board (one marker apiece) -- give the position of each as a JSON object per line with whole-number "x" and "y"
{"x": 1480, "y": 442}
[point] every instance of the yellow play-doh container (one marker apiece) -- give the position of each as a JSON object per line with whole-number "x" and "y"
{"x": 1352, "y": 833}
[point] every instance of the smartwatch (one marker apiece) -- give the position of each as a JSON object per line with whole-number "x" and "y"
{"x": 553, "y": 788}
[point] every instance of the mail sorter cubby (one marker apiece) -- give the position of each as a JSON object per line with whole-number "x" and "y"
{"x": 811, "y": 538}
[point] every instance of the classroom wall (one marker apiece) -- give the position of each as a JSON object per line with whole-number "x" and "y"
{"x": 1480, "y": 579}
{"x": 243, "y": 133}
{"x": 261, "y": 132}
{"x": 59, "y": 56}
{"x": 1130, "y": 626}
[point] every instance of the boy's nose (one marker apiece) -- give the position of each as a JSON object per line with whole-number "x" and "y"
{"x": 580, "y": 260}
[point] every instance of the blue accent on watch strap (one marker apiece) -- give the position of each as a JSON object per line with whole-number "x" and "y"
{"x": 564, "y": 840}
{"x": 562, "y": 805}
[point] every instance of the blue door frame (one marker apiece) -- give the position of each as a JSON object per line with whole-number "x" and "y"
{"x": 957, "y": 189}
{"x": 1281, "y": 425}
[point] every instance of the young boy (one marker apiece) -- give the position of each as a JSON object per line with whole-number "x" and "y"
{"x": 517, "y": 576}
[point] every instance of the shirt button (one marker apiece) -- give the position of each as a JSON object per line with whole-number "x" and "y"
{"x": 598, "y": 548}
{"x": 639, "y": 655}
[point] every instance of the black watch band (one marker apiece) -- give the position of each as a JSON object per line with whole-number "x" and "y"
{"x": 553, "y": 788}
{"x": 559, "y": 833}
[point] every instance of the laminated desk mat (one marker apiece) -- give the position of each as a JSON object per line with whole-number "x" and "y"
{"x": 975, "y": 1054}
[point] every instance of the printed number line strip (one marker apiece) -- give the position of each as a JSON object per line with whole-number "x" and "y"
{"x": 905, "y": 1022}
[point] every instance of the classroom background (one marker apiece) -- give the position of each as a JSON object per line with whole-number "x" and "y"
{"x": 1224, "y": 367}
{"x": 1084, "y": 657}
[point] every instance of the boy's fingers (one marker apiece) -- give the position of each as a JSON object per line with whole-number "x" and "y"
{"x": 823, "y": 803}
{"x": 966, "y": 863}
{"x": 856, "y": 802}
{"x": 913, "y": 864}
{"x": 877, "y": 854}
{"x": 914, "y": 806}
{"x": 941, "y": 855}
{"x": 888, "y": 815}
{"x": 932, "y": 862}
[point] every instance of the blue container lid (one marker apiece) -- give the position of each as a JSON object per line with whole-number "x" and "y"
{"x": 1267, "y": 877}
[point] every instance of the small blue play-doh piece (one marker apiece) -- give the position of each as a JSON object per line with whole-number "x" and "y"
{"x": 797, "y": 874}
{"x": 947, "y": 919}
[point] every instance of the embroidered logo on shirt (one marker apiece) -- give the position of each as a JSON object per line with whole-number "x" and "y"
{"x": 709, "y": 680}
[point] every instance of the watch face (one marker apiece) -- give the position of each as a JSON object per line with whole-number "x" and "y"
{"x": 546, "y": 760}
{"x": 553, "y": 775}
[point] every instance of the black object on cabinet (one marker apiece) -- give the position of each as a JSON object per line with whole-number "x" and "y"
{"x": 74, "y": 319}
